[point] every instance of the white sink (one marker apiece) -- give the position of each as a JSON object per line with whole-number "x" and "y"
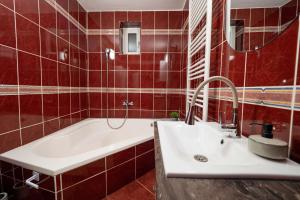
{"x": 181, "y": 142}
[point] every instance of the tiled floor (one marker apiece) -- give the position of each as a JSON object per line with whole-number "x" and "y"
{"x": 142, "y": 188}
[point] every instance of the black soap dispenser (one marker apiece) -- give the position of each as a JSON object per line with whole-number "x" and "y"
{"x": 267, "y": 129}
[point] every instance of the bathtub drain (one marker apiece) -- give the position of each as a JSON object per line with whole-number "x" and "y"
{"x": 200, "y": 158}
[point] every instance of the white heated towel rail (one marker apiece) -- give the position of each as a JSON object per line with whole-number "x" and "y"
{"x": 199, "y": 46}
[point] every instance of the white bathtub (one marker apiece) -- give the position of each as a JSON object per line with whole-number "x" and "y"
{"x": 79, "y": 144}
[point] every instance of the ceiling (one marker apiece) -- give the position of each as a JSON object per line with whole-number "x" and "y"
{"x": 258, "y": 3}
{"x": 131, "y": 5}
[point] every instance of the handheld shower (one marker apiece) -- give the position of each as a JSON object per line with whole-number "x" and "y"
{"x": 110, "y": 53}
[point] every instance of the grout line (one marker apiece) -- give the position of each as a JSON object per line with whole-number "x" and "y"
{"x": 153, "y": 67}
{"x": 223, "y": 42}
{"x": 294, "y": 93}
{"x": 167, "y": 70}
{"x": 127, "y": 66}
{"x": 142, "y": 52}
{"x": 264, "y": 28}
{"x": 57, "y": 68}
{"x": 141, "y": 184}
{"x": 114, "y": 66}
{"x": 102, "y": 66}
{"x": 249, "y": 38}
{"x": 244, "y": 93}
{"x": 140, "y": 71}
{"x": 159, "y": 10}
{"x": 135, "y": 162}
{"x": 88, "y": 68}
{"x": 18, "y": 78}
{"x": 146, "y": 152}
{"x": 114, "y": 31}
{"x": 79, "y": 61}
{"x": 96, "y": 109}
{"x": 70, "y": 53}
{"x": 41, "y": 69}
{"x": 134, "y": 70}
{"x": 105, "y": 162}
{"x": 57, "y": 118}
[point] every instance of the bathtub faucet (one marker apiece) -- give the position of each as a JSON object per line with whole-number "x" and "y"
{"x": 234, "y": 126}
{"x": 127, "y": 103}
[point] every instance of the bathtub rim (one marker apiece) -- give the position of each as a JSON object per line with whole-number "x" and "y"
{"x": 52, "y": 171}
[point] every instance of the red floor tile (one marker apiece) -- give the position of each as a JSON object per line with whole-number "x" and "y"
{"x": 142, "y": 188}
{"x": 148, "y": 180}
{"x": 132, "y": 191}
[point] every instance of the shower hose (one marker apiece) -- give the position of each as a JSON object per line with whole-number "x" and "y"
{"x": 126, "y": 102}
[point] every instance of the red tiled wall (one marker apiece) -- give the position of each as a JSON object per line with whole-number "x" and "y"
{"x": 91, "y": 181}
{"x": 184, "y": 63}
{"x": 32, "y": 33}
{"x": 264, "y": 17}
{"x": 155, "y": 77}
{"x": 273, "y": 65}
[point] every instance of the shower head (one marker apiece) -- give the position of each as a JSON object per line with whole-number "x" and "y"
{"x": 110, "y": 53}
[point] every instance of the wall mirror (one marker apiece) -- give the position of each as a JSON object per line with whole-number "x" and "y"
{"x": 252, "y": 24}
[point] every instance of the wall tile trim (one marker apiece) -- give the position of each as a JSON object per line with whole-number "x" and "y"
{"x": 272, "y": 96}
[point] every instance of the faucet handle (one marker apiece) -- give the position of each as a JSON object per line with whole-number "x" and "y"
{"x": 128, "y": 103}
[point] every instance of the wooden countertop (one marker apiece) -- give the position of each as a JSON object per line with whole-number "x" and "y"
{"x": 219, "y": 189}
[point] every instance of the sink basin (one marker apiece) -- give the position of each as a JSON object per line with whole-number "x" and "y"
{"x": 202, "y": 151}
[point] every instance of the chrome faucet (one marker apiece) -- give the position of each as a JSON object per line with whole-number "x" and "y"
{"x": 234, "y": 126}
{"x": 128, "y": 103}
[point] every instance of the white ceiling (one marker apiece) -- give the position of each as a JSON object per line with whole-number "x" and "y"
{"x": 131, "y": 5}
{"x": 258, "y": 3}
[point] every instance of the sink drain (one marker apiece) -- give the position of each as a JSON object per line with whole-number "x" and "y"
{"x": 200, "y": 158}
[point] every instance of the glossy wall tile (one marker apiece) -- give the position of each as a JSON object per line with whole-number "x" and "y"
{"x": 32, "y": 36}
{"x": 145, "y": 79}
